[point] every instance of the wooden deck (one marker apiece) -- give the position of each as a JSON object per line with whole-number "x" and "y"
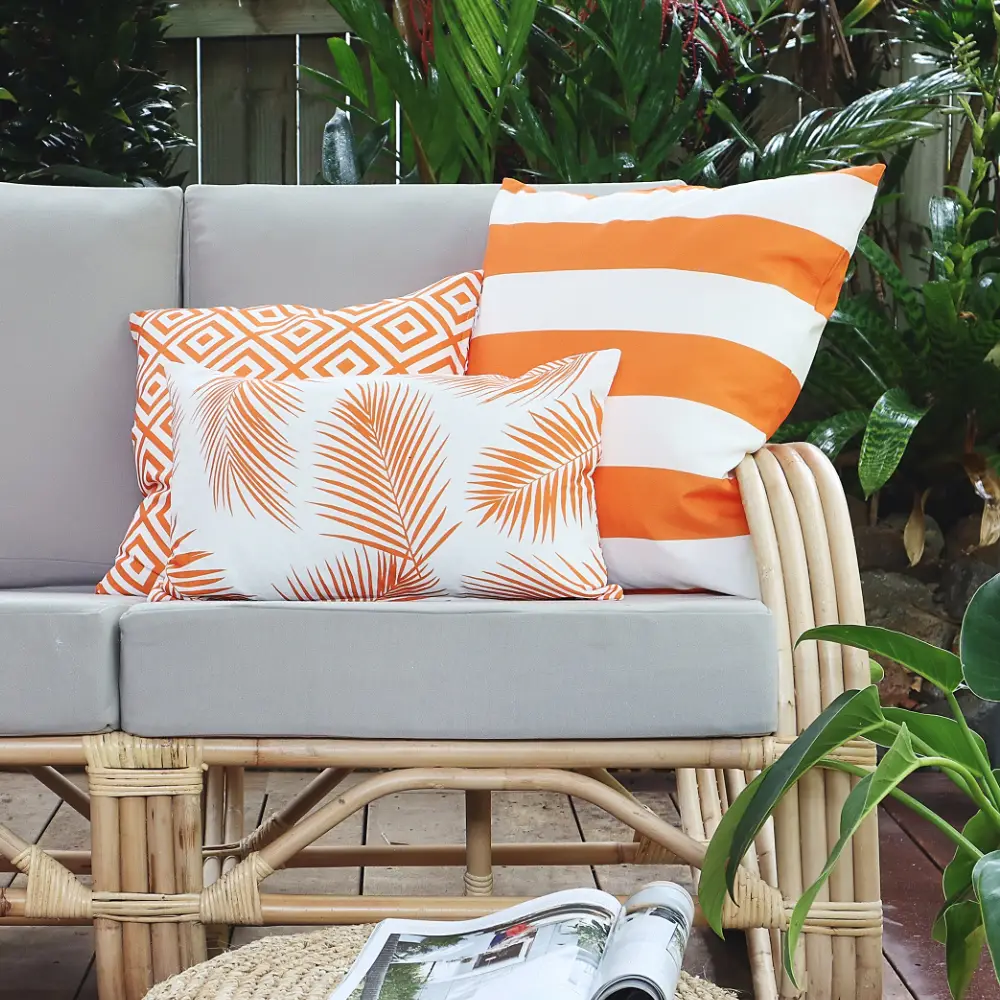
{"x": 47, "y": 963}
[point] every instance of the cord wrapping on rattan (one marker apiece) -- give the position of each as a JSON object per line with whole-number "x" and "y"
{"x": 122, "y": 784}
{"x": 478, "y": 885}
{"x": 53, "y": 892}
{"x": 757, "y": 904}
{"x": 147, "y": 907}
{"x": 269, "y": 830}
{"x": 235, "y": 898}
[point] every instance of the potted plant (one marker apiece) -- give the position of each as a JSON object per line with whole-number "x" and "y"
{"x": 969, "y": 918}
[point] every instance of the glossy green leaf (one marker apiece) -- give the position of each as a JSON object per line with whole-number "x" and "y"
{"x": 965, "y": 936}
{"x": 986, "y": 882}
{"x": 944, "y": 736}
{"x": 944, "y": 214}
{"x": 852, "y": 714}
{"x": 956, "y": 882}
{"x": 939, "y": 666}
{"x": 859, "y": 13}
{"x": 349, "y": 68}
{"x": 891, "y": 424}
{"x": 712, "y": 886}
{"x": 898, "y": 762}
{"x": 6, "y": 95}
{"x": 889, "y": 271}
{"x": 980, "y": 641}
{"x": 832, "y": 434}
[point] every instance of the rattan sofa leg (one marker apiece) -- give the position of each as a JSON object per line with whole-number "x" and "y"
{"x": 145, "y": 808}
{"x": 216, "y": 935}
{"x": 478, "y": 843}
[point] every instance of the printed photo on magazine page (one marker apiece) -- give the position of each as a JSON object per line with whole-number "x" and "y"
{"x": 571, "y": 945}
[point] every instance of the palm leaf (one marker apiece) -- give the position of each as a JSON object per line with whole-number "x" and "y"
{"x": 877, "y": 121}
{"x": 246, "y": 453}
{"x": 380, "y": 463}
{"x": 890, "y": 426}
{"x": 550, "y": 380}
{"x": 387, "y": 578}
{"x": 546, "y": 475}
{"x": 538, "y": 579}
{"x": 182, "y": 577}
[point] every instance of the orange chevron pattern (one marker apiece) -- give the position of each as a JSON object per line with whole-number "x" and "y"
{"x": 424, "y": 333}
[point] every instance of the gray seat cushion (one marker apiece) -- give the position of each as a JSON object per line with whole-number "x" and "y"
{"x": 648, "y": 666}
{"x": 59, "y": 661}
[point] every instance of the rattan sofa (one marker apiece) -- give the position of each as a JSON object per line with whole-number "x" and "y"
{"x": 166, "y": 704}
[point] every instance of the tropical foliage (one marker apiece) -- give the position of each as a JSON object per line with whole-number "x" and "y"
{"x": 619, "y": 90}
{"x": 79, "y": 100}
{"x": 969, "y": 918}
{"x": 909, "y": 365}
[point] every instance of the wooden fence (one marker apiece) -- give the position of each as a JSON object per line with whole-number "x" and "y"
{"x": 251, "y": 117}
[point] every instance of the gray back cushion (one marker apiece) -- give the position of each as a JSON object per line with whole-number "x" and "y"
{"x": 74, "y": 262}
{"x": 332, "y": 246}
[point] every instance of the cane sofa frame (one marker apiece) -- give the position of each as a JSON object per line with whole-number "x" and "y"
{"x": 171, "y": 862}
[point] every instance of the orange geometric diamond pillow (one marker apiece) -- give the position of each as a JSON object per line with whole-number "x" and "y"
{"x": 717, "y": 299}
{"x": 423, "y": 333}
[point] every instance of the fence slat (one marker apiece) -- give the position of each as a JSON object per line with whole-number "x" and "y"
{"x": 224, "y": 111}
{"x": 271, "y": 110}
{"x": 178, "y": 61}
{"x": 315, "y": 110}
{"x": 230, "y": 18}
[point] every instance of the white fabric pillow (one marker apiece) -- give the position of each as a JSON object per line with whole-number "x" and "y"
{"x": 387, "y": 487}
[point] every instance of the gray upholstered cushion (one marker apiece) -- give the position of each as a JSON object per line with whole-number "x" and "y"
{"x": 74, "y": 262}
{"x": 332, "y": 245}
{"x": 648, "y": 666}
{"x": 58, "y": 662}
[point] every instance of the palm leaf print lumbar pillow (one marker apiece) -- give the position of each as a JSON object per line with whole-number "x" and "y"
{"x": 387, "y": 487}
{"x": 426, "y": 332}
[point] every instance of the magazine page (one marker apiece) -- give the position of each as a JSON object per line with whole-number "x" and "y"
{"x": 546, "y": 949}
{"x": 646, "y": 948}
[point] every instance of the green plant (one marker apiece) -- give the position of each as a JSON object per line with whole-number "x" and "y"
{"x": 970, "y": 913}
{"x": 906, "y": 363}
{"x": 80, "y": 102}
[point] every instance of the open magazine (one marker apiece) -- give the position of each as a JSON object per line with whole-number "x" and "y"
{"x": 580, "y": 944}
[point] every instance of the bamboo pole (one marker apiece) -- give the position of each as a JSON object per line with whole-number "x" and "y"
{"x": 109, "y": 952}
{"x": 165, "y": 937}
{"x": 189, "y": 873}
{"x": 136, "y": 939}
{"x": 745, "y": 753}
{"x": 74, "y": 796}
{"x": 478, "y": 843}
{"x": 233, "y": 822}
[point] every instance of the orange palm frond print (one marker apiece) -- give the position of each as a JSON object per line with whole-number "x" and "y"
{"x": 182, "y": 577}
{"x": 538, "y": 579}
{"x": 247, "y": 455}
{"x": 380, "y": 464}
{"x": 360, "y": 579}
{"x": 546, "y": 475}
{"x": 548, "y": 380}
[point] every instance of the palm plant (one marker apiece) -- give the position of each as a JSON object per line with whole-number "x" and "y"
{"x": 969, "y": 918}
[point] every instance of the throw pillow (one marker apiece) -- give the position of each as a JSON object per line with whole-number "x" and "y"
{"x": 427, "y": 331}
{"x": 387, "y": 487}
{"x": 717, "y": 300}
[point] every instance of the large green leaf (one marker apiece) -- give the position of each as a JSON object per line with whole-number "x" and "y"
{"x": 944, "y": 736}
{"x": 852, "y": 714}
{"x": 980, "y": 641}
{"x": 832, "y": 434}
{"x": 956, "y": 883}
{"x": 939, "y": 666}
{"x": 891, "y": 424}
{"x": 986, "y": 881}
{"x": 859, "y": 13}
{"x": 898, "y": 762}
{"x": 964, "y": 940}
{"x": 944, "y": 214}
{"x": 903, "y": 293}
{"x": 349, "y": 68}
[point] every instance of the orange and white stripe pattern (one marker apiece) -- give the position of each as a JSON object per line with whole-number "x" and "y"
{"x": 717, "y": 300}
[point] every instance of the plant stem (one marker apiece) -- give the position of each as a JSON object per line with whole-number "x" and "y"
{"x": 911, "y": 803}
{"x": 975, "y": 790}
{"x": 992, "y": 786}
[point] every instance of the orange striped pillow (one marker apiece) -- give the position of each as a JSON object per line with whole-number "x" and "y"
{"x": 717, "y": 300}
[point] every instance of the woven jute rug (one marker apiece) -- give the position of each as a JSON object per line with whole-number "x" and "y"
{"x": 309, "y": 967}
